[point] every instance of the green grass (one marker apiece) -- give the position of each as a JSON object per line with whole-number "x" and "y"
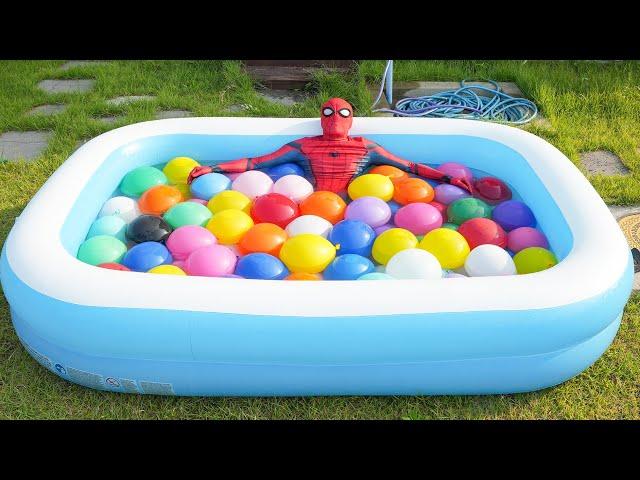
{"x": 588, "y": 105}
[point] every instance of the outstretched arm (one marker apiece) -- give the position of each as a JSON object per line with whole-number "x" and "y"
{"x": 379, "y": 156}
{"x": 285, "y": 154}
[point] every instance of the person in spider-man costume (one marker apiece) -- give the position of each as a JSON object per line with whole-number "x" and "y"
{"x": 333, "y": 159}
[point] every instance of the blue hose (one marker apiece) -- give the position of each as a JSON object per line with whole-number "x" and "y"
{"x": 491, "y": 104}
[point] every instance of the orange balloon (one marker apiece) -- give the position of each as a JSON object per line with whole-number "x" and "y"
{"x": 412, "y": 190}
{"x": 327, "y": 205}
{"x": 304, "y": 276}
{"x": 394, "y": 173}
{"x": 263, "y": 237}
{"x": 159, "y": 199}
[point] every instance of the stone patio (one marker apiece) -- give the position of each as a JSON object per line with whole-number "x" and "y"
{"x": 80, "y": 63}
{"x": 163, "y": 114}
{"x": 47, "y": 110}
{"x": 109, "y": 119}
{"x": 23, "y": 145}
{"x": 124, "y": 100}
{"x": 603, "y": 162}
{"x": 287, "y": 98}
{"x": 66, "y": 86}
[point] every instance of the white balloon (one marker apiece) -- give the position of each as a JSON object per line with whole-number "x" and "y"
{"x": 309, "y": 224}
{"x": 124, "y": 207}
{"x": 414, "y": 263}
{"x": 489, "y": 260}
{"x": 252, "y": 183}
{"x": 452, "y": 274}
{"x": 295, "y": 187}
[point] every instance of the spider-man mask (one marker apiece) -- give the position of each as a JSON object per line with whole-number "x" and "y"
{"x": 336, "y": 117}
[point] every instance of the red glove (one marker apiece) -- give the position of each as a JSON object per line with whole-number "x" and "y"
{"x": 197, "y": 172}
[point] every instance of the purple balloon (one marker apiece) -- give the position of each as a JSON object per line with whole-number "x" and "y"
{"x": 525, "y": 237}
{"x": 383, "y": 228}
{"x": 456, "y": 170}
{"x": 513, "y": 214}
{"x": 447, "y": 194}
{"x": 370, "y": 210}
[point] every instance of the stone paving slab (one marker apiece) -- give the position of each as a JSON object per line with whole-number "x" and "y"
{"x": 603, "y": 162}
{"x": 47, "y": 110}
{"x": 109, "y": 119}
{"x": 621, "y": 211}
{"x": 23, "y": 145}
{"x": 124, "y": 100}
{"x": 80, "y": 63}
{"x": 236, "y": 108}
{"x": 173, "y": 114}
{"x": 283, "y": 97}
{"x": 66, "y": 86}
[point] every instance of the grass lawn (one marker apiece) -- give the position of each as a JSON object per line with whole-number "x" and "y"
{"x": 589, "y": 106}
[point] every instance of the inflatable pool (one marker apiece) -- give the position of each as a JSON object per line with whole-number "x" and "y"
{"x": 187, "y": 335}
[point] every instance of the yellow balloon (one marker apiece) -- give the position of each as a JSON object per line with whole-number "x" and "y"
{"x": 167, "y": 270}
{"x": 177, "y": 169}
{"x": 371, "y": 185}
{"x": 229, "y": 226}
{"x": 448, "y": 246}
{"x": 391, "y": 242}
{"x": 307, "y": 253}
{"x": 184, "y": 190}
{"x": 229, "y": 199}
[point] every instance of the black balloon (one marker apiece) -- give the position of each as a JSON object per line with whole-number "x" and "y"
{"x": 148, "y": 228}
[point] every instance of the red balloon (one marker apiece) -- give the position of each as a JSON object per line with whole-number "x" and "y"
{"x": 274, "y": 208}
{"x": 442, "y": 208}
{"x": 481, "y": 231}
{"x": 492, "y": 190}
{"x": 114, "y": 266}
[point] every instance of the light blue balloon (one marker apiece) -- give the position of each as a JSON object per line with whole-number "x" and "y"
{"x": 208, "y": 185}
{"x": 112, "y": 225}
{"x": 376, "y": 276}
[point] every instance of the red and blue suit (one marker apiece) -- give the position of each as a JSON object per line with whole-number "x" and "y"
{"x": 331, "y": 160}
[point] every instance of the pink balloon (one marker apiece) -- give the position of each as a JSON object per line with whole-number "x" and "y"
{"x": 184, "y": 240}
{"x": 525, "y": 237}
{"x": 442, "y": 208}
{"x": 253, "y": 183}
{"x": 198, "y": 200}
{"x": 179, "y": 264}
{"x": 456, "y": 170}
{"x": 211, "y": 261}
{"x": 418, "y": 218}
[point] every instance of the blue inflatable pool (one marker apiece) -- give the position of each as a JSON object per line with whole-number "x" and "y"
{"x": 175, "y": 335}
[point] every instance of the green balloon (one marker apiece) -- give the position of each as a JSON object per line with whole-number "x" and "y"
{"x": 141, "y": 179}
{"x": 534, "y": 259}
{"x": 450, "y": 226}
{"x": 467, "y": 208}
{"x": 187, "y": 213}
{"x": 101, "y": 249}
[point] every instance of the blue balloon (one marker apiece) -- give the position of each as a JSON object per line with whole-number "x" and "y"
{"x": 146, "y": 255}
{"x": 394, "y": 207}
{"x": 261, "y": 266}
{"x": 111, "y": 225}
{"x": 348, "y": 267}
{"x": 206, "y": 186}
{"x": 283, "y": 169}
{"x": 353, "y": 236}
{"x": 376, "y": 276}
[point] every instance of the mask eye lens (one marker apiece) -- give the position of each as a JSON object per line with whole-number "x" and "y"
{"x": 327, "y": 112}
{"x": 344, "y": 112}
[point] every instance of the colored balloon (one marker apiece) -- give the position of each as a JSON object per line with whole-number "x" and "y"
{"x": 184, "y": 189}
{"x": 157, "y": 200}
{"x": 229, "y": 226}
{"x": 148, "y": 228}
{"x": 187, "y": 213}
{"x": 442, "y": 208}
{"x": 418, "y": 218}
{"x": 199, "y": 200}
{"x": 211, "y": 261}
{"x": 307, "y": 253}
{"x": 489, "y": 260}
{"x": 304, "y": 276}
{"x": 513, "y": 214}
{"x": 111, "y": 225}
{"x": 327, "y": 205}
{"x": 450, "y": 226}
{"x": 371, "y": 210}
{"x": 413, "y": 190}
{"x": 229, "y": 200}
{"x": 525, "y": 237}
{"x": 114, "y": 266}
{"x": 101, "y": 249}
{"x": 295, "y": 187}
{"x": 284, "y": 169}
{"x": 177, "y": 169}
{"x": 383, "y": 228}
{"x": 448, "y": 246}
{"x": 124, "y": 207}
{"x": 446, "y": 194}
{"x": 263, "y": 238}
{"x": 371, "y": 185}
{"x": 456, "y": 170}
{"x": 481, "y": 231}
{"x": 391, "y": 242}
{"x": 144, "y": 256}
{"x": 184, "y": 240}
{"x": 492, "y": 190}
{"x": 167, "y": 270}
{"x": 348, "y": 267}
{"x": 414, "y": 263}
{"x": 140, "y": 179}
{"x": 274, "y": 208}
{"x": 467, "y": 208}
{"x": 309, "y": 224}
{"x": 261, "y": 266}
{"x": 534, "y": 259}
{"x": 208, "y": 185}
{"x": 252, "y": 183}
{"x": 394, "y": 173}
{"x": 376, "y": 276}
{"x": 352, "y": 236}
